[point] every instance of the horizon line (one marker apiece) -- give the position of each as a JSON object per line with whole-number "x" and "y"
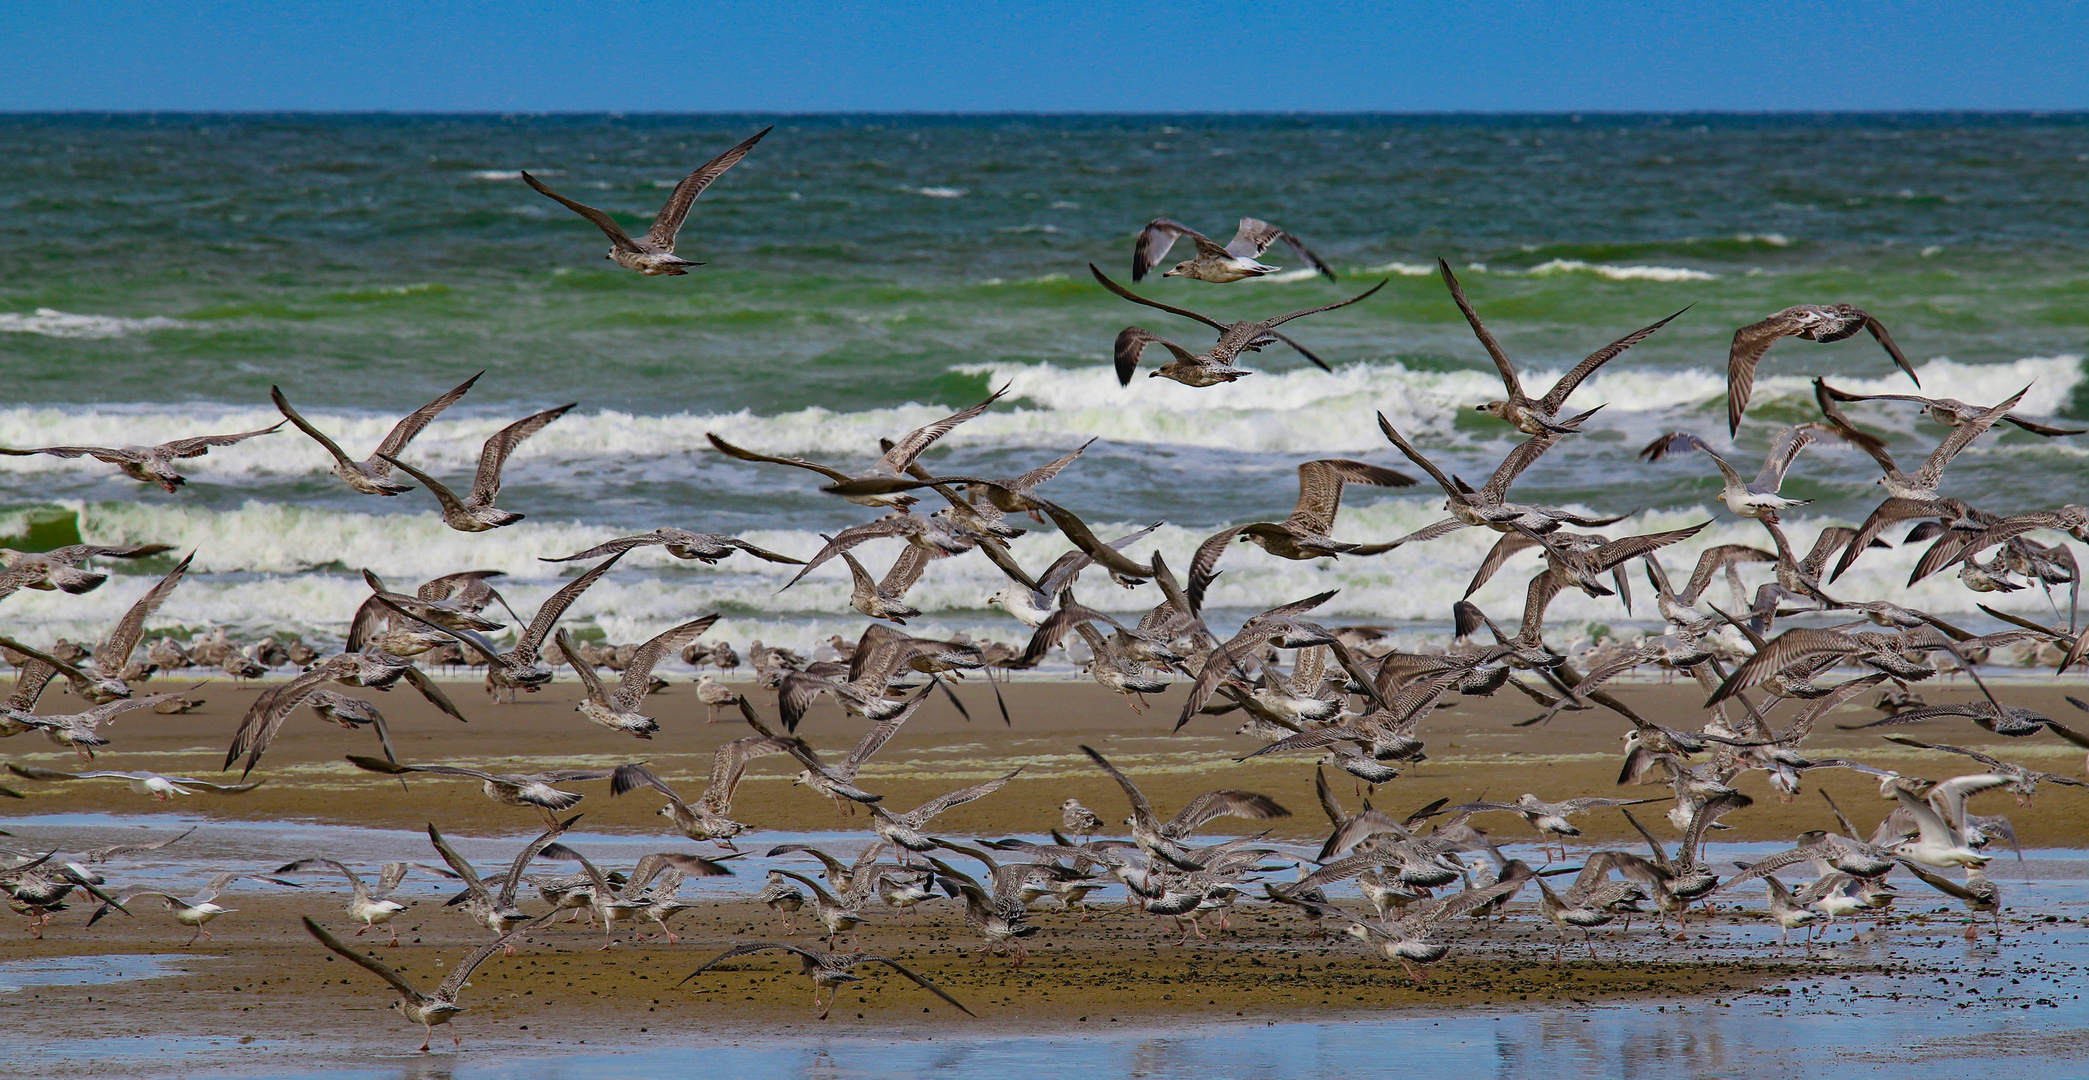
{"x": 1571, "y": 114}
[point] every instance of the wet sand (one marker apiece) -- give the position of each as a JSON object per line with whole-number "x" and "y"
{"x": 1473, "y": 751}
{"x": 261, "y": 976}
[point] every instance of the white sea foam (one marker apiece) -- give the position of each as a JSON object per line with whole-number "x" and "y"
{"x": 940, "y": 192}
{"x": 1404, "y": 269}
{"x": 252, "y": 574}
{"x": 1619, "y": 273}
{"x": 1303, "y": 410}
{"x": 50, "y": 322}
{"x": 502, "y": 174}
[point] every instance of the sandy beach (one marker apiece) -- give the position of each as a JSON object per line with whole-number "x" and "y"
{"x": 1475, "y": 751}
{"x": 261, "y": 976}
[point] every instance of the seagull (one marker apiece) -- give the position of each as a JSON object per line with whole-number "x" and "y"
{"x": 1163, "y": 840}
{"x": 1814, "y": 322}
{"x": 1536, "y": 416}
{"x": 1952, "y": 412}
{"x": 142, "y": 782}
{"x": 884, "y": 475}
{"x": 1549, "y": 819}
{"x": 371, "y": 908}
{"x": 151, "y": 464}
{"x": 1307, "y": 533}
{"x": 452, "y": 600}
{"x": 59, "y": 569}
{"x": 522, "y": 666}
{"x": 194, "y": 910}
{"x": 1034, "y": 602}
{"x": 373, "y": 475}
{"x": 1080, "y": 821}
{"x": 372, "y": 668}
{"x": 2023, "y": 782}
{"x": 654, "y": 253}
{"x": 476, "y": 512}
{"x": 781, "y": 895}
{"x": 496, "y": 911}
{"x": 1215, "y": 365}
{"x": 80, "y": 731}
{"x": 1755, "y": 498}
{"x": 1218, "y": 265}
{"x": 618, "y": 711}
{"x": 885, "y": 598}
{"x": 630, "y": 903}
{"x": 1940, "y": 839}
{"x": 1488, "y": 507}
{"x": 512, "y": 789}
{"x": 426, "y": 1010}
{"x": 1911, "y": 495}
{"x": 99, "y": 676}
{"x": 838, "y": 914}
{"x": 1788, "y": 913}
{"x": 1406, "y": 940}
{"x": 904, "y": 830}
{"x": 828, "y": 970}
{"x": 706, "y": 818}
{"x": 2010, "y": 721}
{"x": 707, "y": 548}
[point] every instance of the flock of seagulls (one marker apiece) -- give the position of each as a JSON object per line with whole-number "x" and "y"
{"x": 1345, "y": 699}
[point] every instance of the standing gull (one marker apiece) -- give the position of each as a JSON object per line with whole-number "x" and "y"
{"x": 654, "y": 253}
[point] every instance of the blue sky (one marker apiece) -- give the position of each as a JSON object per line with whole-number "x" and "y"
{"x": 989, "y": 55}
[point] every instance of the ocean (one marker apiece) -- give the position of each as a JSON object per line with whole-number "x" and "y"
{"x": 868, "y": 274}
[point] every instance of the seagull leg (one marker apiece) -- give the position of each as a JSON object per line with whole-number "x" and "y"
{"x": 429, "y": 1032}
{"x": 395, "y": 934}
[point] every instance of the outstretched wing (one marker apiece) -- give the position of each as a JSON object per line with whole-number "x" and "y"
{"x": 485, "y": 484}
{"x": 115, "y": 650}
{"x": 374, "y": 966}
{"x": 669, "y": 224}
{"x": 872, "y": 958}
{"x": 548, "y": 614}
{"x": 1213, "y": 804}
{"x": 617, "y": 237}
{"x": 199, "y": 445}
{"x": 639, "y": 670}
{"x": 412, "y": 424}
{"x": 1502, "y": 363}
{"x": 744, "y": 949}
{"x": 1137, "y": 299}
{"x": 1568, "y": 383}
{"x": 1155, "y": 239}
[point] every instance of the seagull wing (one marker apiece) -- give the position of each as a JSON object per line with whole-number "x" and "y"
{"x": 617, "y": 237}
{"x": 669, "y": 224}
